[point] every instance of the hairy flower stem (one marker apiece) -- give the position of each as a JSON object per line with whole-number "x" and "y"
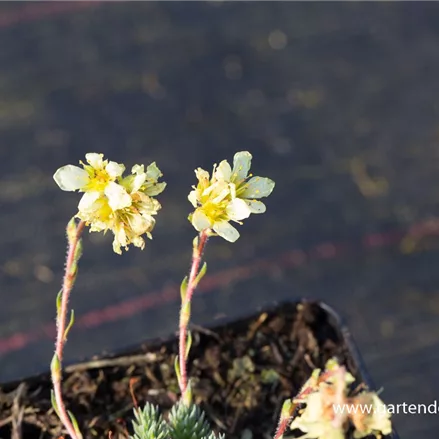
{"x": 290, "y": 405}
{"x": 184, "y": 313}
{"x": 284, "y": 421}
{"x": 68, "y": 281}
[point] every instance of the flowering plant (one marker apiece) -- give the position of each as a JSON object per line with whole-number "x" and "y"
{"x": 127, "y": 206}
{"x": 329, "y": 409}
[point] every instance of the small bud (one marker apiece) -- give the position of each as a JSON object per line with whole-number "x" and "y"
{"x": 195, "y": 244}
{"x": 71, "y": 230}
{"x": 285, "y": 416}
{"x": 286, "y": 409}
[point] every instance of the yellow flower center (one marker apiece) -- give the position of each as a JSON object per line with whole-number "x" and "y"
{"x": 99, "y": 179}
{"x": 214, "y": 211}
{"x": 105, "y": 212}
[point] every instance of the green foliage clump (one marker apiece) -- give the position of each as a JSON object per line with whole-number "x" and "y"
{"x": 184, "y": 422}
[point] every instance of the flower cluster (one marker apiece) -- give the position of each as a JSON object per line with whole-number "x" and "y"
{"x": 124, "y": 205}
{"x": 228, "y": 195}
{"x": 329, "y": 409}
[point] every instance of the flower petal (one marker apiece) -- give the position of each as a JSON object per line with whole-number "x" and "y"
{"x": 241, "y": 165}
{"x": 153, "y": 172}
{"x": 97, "y": 226}
{"x": 226, "y": 231}
{"x": 137, "y": 182}
{"x": 114, "y": 169}
{"x": 139, "y": 242}
{"x": 192, "y": 197}
{"x": 155, "y": 189}
{"x": 257, "y": 187}
{"x": 118, "y": 197}
{"x": 120, "y": 239}
{"x": 219, "y": 192}
{"x": 139, "y": 224}
{"x": 138, "y": 169}
{"x": 88, "y": 202}
{"x": 203, "y": 177}
{"x": 147, "y": 205}
{"x": 238, "y": 210}
{"x": 256, "y": 206}
{"x": 223, "y": 171}
{"x": 71, "y": 178}
{"x": 95, "y": 160}
{"x": 200, "y": 221}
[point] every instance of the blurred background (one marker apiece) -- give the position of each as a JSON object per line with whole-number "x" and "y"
{"x": 337, "y": 103}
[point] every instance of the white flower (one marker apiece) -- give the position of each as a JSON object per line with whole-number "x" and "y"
{"x": 313, "y": 421}
{"x": 329, "y": 409}
{"x": 226, "y": 196}
{"x": 377, "y": 421}
{"x": 136, "y": 220}
{"x": 124, "y": 205}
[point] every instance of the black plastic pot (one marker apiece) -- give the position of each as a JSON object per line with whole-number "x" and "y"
{"x": 345, "y": 335}
{"x": 272, "y": 329}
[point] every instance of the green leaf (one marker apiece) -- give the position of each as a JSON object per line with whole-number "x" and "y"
{"x": 177, "y": 369}
{"x": 73, "y": 271}
{"x": 54, "y": 404}
{"x": 58, "y": 302}
{"x": 78, "y": 251}
{"x": 149, "y": 424}
{"x": 75, "y": 424}
{"x": 183, "y": 288}
{"x": 269, "y": 376}
{"x": 187, "y": 396}
{"x": 286, "y": 409}
{"x": 185, "y": 313}
{"x": 55, "y": 367}
{"x": 195, "y": 243}
{"x": 69, "y": 326}
{"x": 201, "y": 274}
{"x": 188, "y": 422}
{"x": 188, "y": 344}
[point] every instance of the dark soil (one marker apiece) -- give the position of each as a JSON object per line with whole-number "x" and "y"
{"x": 242, "y": 373}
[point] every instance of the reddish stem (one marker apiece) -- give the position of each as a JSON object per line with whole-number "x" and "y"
{"x": 69, "y": 277}
{"x": 282, "y": 427}
{"x": 284, "y": 422}
{"x": 184, "y": 319}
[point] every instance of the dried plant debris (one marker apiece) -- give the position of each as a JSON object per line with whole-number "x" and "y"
{"x": 242, "y": 373}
